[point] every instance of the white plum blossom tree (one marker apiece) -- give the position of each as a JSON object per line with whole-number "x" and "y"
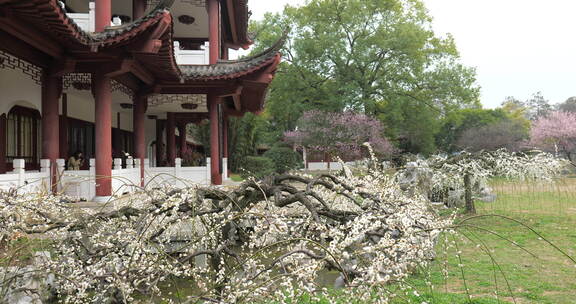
{"x": 266, "y": 240}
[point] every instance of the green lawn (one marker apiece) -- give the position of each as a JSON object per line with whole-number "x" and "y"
{"x": 236, "y": 177}
{"x": 537, "y": 274}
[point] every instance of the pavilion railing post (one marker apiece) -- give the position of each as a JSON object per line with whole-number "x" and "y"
{"x": 19, "y": 168}
{"x": 92, "y": 17}
{"x": 178, "y": 167}
{"x": 146, "y": 169}
{"x": 129, "y": 163}
{"x": 92, "y": 178}
{"x": 61, "y": 167}
{"x": 225, "y": 168}
{"x": 45, "y": 168}
{"x": 208, "y": 171}
{"x": 117, "y": 164}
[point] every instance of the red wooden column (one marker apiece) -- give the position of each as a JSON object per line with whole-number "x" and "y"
{"x": 103, "y": 14}
{"x": 159, "y": 142}
{"x": 171, "y": 139}
{"x": 214, "y": 140}
{"x": 138, "y": 9}
{"x": 214, "y": 40}
{"x": 214, "y": 27}
{"x": 183, "y": 142}
{"x": 103, "y": 100}
{"x": 3, "y": 144}
{"x": 51, "y": 90}
{"x": 138, "y": 119}
{"x": 225, "y": 136}
{"x": 64, "y": 128}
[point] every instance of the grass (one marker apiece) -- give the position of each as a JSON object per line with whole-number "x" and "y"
{"x": 21, "y": 249}
{"x": 538, "y": 274}
{"x": 236, "y": 177}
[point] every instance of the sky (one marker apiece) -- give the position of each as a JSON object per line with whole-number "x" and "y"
{"x": 518, "y": 47}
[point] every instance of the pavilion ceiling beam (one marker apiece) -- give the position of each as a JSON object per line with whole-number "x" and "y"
{"x": 116, "y": 68}
{"x": 163, "y": 25}
{"x": 232, "y": 15}
{"x": 256, "y": 84}
{"x": 142, "y": 73}
{"x": 147, "y": 46}
{"x": 130, "y": 81}
{"x": 220, "y": 89}
{"x": 233, "y": 92}
{"x": 62, "y": 67}
{"x": 14, "y": 46}
{"x": 237, "y": 102}
{"x": 2, "y": 2}
{"x": 233, "y": 112}
{"x": 10, "y": 24}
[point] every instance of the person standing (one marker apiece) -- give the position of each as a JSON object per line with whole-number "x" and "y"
{"x": 76, "y": 161}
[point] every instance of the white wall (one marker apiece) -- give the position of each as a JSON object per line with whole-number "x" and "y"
{"x": 81, "y": 105}
{"x": 17, "y": 88}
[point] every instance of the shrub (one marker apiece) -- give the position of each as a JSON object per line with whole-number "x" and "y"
{"x": 284, "y": 159}
{"x": 257, "y": 167}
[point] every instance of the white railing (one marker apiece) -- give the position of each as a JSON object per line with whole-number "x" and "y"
{"x": 192, "y": 57}
{"x": 82, "y": 184}
{"x": 177, "y": 176}
{"x": 86, "y": 22}
{"x": 323, "y": 166}
{"x": 26, "y": 182}
{"x": 78, "y": 183}
{"x": 125, "y": 180}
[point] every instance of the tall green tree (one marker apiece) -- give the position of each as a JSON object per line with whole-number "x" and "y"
{"x": 369, "y": 56}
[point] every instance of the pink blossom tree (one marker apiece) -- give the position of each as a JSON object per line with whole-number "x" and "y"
{"x": 555, "y": 132}
{"x": 339, "y": 134}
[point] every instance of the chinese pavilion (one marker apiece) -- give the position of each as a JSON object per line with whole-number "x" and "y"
{"x": 110, "y": 77}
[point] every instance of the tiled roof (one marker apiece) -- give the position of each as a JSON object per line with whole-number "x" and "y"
{"x": 51, "y": 17}
{"x": 111, "y": 32}
{"x": 229, "y": 69}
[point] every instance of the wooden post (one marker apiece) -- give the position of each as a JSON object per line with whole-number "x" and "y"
{"x": 138, "y": 9}
{"x": 103, "y": 100}
{"x": 171, "y": 139}
{"x": 103, "y": 14}
{"x": 138, "y": 121}
{"x": 183, "y": 142}
{"x": 3, "y": 144}
{"x": 51, "y": 89}
{"x": 64, "y": 128}
{"x": 225, "y": 136}
{"x": 214, "y": 28}
{"x": 214, "y": 140}
{"x": 159, "y": 142}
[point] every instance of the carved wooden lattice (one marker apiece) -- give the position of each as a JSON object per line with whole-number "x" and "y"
{"x": 83, "y": 81}
{"x": 7, "y": 61}
{"x": 196, "y": 3}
